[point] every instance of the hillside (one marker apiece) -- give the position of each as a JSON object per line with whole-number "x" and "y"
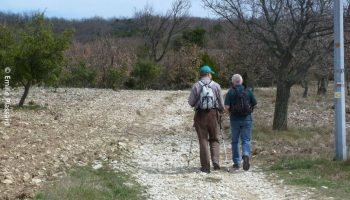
{"x": 147, "y": 134}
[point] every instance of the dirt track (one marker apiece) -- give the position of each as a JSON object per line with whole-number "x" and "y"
{"x": 146, "y": 133}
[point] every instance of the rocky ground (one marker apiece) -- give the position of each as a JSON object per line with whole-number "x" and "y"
{"x": 145, "y": 133}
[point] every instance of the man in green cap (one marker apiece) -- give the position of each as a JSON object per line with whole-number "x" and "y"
{"x": 206, "y": 98}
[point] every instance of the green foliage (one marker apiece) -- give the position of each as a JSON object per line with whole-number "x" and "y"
{"x": 177, "y": 42}
{"x": 40, "y": 54}
{"x": 145, "y": 71}
{"x": 79, "y": 75}
{"x": 195, "y": 36}
{"x": 86, "y": 183}
{"x": 116, "y": 77}
{"x": 124, "y": 27}
{"x": 217, "y": 28}
{"x": 184, "y": 77}
{"x": 190, "y": 37}
{"x": 7, "y": 50}
{"x": 206, "y": 59}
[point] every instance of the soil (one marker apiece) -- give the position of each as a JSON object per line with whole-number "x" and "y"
{"x": 144, "y": 133}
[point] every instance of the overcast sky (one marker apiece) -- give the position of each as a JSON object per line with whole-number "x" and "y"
{"x": 77, "y": 9}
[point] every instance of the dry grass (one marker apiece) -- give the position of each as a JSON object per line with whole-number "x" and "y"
{"x": 86, "y": 183}
{"x": 304, "y": 154}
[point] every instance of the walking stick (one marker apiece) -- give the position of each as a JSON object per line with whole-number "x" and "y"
{"x": 223, "y": 141}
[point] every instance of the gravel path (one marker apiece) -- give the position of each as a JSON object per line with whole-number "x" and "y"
{"x": 162, "y": 162}
{"x": 146, "y": 133}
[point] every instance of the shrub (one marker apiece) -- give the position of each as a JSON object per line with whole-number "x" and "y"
{"x": 79, "y": 76}
{"x": 145, "y": 71}
{"x": 116, "y": 77}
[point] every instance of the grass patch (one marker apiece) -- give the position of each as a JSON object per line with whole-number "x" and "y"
{"x": 266, "y": 134}
{"x": 213, "y": 179}
{"x": 331, "y": 178}
{"x": 303, "y": 157}
{"x": 89, "y": 184}
{"x": 31, "y": 106}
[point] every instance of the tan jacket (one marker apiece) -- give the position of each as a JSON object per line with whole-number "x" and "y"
{"x": 193, "y": 99}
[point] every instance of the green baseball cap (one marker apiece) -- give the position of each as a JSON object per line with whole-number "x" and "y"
{"x": 206, "y": 69}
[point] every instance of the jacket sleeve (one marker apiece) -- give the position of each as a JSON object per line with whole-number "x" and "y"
{"x": 220, "y": 98}
{"x": 192, "y": 99}
{"x": 252, "y": 99}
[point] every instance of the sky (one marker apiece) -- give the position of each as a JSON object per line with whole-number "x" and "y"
{"x": 78, "y": 9}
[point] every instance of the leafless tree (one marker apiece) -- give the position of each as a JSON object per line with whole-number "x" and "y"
{"x": 288, "y": 28}
{"x": 158, "y": 30}
{"x": 249, "y": 58}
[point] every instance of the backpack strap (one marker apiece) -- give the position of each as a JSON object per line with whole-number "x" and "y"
{"x": 236, "y": 92}
{"x": 204, "y": 84}
{"x": 210, "y": 83}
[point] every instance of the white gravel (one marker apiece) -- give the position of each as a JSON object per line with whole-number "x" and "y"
{"x": 151, "y": 129}
{"x": 162, "y": 162}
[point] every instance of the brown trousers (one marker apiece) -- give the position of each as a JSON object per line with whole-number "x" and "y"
{"x": 207, "y": 127}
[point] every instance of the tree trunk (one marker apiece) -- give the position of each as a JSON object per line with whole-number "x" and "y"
{"x": 25, "y": 94}
{"x": 322, "y": 86}
{"x": 305, "y": 85}
{"x": 281, "y": 106}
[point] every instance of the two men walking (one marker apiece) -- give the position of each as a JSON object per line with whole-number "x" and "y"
{"x": 206, "y": 98}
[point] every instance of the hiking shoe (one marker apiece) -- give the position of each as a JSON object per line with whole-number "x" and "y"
{"x": 216, "y": 166}
{"x": 246, "y": 164}
{"x": 205, "y": 170}
{"x": 235, "y": 166}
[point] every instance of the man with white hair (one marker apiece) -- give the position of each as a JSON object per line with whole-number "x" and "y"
{"x": 240, "y": 103}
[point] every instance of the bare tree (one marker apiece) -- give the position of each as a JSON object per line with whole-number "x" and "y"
{"x": 158, "y": 30}
{"x": 249, "y": 57}
{"x": 288, "y": 28}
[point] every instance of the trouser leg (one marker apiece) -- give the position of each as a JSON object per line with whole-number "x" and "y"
{"x": 246, "y": 138}
{"x": 235, "y": 133}
{"x": 214, "y": 142}
{"x": 202, "y": 134}
{"x": 203, "y": 148}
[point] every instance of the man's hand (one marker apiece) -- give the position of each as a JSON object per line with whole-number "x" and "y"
{"x": 227, "y": 109}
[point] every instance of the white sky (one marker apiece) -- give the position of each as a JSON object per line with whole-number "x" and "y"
{"x": 77, "y": 9}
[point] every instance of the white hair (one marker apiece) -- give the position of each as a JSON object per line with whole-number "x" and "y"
{"x": 237, "y": 79}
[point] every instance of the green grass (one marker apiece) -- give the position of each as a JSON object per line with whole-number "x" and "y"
{"x": 299, "y": 160}
{"x": 305, "y": 164}
{"x": 266, "y": 134}
{"x": 331, "y": 178}
{"x": 31, "y": 106}
{"x": 84, "y": 183}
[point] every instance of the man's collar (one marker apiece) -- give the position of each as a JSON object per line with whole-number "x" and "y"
{"x": 205, "y": 78}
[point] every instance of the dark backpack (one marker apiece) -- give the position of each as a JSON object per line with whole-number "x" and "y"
{"x": 242, "y": 106}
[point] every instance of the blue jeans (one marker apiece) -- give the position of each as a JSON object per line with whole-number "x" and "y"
{"x": 241, "y": 129}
